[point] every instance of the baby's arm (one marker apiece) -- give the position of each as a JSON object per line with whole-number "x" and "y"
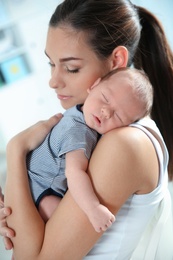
{"x": 80, "y": 186}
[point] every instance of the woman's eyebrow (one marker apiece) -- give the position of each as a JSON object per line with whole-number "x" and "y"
{"x": 69, "y": 59}
{"x": 64, "y": 59}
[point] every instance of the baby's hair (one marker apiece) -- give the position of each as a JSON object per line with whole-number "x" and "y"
{"x": 141, "y": 86}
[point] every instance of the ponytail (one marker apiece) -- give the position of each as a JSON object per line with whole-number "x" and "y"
{"x": 154, "y": 56}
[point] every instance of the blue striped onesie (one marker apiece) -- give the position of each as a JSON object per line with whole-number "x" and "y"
{"x": 46, "y": 164}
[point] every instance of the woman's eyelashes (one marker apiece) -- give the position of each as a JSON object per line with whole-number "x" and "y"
{"x": 67, "y": 69}
{"x": 76, "y": 70}
{"x": 51, "y": 64}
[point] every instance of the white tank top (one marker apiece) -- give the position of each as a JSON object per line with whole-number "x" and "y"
{"x": 121, "y": 239}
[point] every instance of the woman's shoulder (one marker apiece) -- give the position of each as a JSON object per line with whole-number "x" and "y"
{"x": 129, "y": 137}
{"x": 128, "y": 144}
{"x": 129, "y": 156}
{"x": 133, "y": 136}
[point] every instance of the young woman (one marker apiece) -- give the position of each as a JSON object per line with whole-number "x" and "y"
{"x": 128, "y": 168}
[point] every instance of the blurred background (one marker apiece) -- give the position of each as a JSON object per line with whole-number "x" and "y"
{"x": 25, "y": 96}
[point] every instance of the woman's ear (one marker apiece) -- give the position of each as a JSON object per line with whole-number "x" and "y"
{"x": 95, "y": 84}
{"x": 119, "y": 57}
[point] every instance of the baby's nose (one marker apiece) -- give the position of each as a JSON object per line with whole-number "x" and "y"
{"x": 106, "y": 113}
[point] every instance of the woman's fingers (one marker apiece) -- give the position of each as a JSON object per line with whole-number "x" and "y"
{"x": 1, "y": 197}
{"x": 7, "y": 243}
{"x": 37, "y": 133}
{"x": 4, "y": 212}
{"x": 31, "y": 137}
{"x": 6, "y": 232}
{"x": 54, "y": 119}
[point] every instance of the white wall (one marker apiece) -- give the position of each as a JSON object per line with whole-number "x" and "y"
{"x": 26, "y": 101}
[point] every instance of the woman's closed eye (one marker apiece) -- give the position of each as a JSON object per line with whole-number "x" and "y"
{"x": 76, "y": 70}
{"x": 51, "y": 64}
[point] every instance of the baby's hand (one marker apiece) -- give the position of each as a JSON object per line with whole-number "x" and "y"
{"x": 101, "y": 218}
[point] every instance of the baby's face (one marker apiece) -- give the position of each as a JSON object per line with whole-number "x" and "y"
{"x": 112, "y": 104}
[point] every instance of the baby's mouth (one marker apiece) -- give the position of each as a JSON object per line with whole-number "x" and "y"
{"x": 97, "y": 120}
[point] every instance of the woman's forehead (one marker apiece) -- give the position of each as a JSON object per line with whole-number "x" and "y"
{"x": 66, "y": 35}
{"x": 63, "y": 43}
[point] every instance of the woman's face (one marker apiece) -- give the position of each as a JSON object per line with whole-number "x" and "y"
{"x": 74, "y": 66}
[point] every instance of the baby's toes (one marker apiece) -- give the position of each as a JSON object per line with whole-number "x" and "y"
{"x": 110, "y": 222}
{"x": 105, "y": 227}
{"x": 112, "y": 219}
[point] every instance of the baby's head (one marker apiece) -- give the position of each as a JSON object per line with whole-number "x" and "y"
{"x": 118, "y": 99}
{"x": 137, "y": 85}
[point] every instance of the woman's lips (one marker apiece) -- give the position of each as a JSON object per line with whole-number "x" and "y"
{"x": 62, "y": 97}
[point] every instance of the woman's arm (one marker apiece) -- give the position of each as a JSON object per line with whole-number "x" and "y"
{"x": 114, "y": 171}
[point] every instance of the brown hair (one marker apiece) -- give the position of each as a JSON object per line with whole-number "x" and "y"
{"x": 112, "y": 23}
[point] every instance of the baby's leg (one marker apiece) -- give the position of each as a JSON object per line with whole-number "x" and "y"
{"x": 47, "y": 206}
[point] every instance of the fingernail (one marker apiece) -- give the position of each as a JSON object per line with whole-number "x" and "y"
{"x": 5, "y": 212}
{"x": 59, "y": 115}
{"x": 7, "y": 235}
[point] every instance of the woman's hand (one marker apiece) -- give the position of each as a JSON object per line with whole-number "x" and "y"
{"x": 33, "y": 136}
{"x": 6, "y": 232}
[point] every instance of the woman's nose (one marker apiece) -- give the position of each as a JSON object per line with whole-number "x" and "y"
{"x": 106, "y": 112}
{"x": 56, "y": 80}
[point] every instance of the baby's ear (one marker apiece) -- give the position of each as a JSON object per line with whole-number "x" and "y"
{"x": 95, "y": 84}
